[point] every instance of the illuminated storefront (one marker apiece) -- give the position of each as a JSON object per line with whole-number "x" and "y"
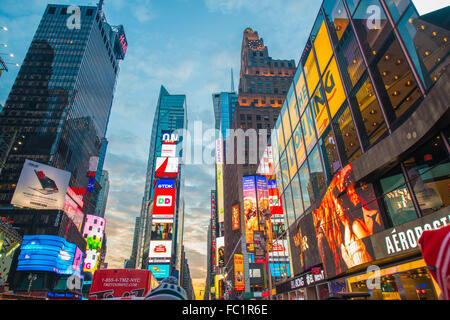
{"x": 364, "y": 151}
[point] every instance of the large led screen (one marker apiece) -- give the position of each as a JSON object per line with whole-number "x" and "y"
{"x": 239, "y": 279}
{"x": 160, "y": 249}
{"x": 279, "y": 270}
{"x": 160, "y": 271}
{"x": 220, "y": 242}
{"x": 166, "y": 167}
{"x": 346, "y": 217}
{"x": 262, "y": 193}
{"x": 250, "y": 209}
{"x": 164, "y": 203}
{"x": 304, "y": 250}
{"x": 94, "y": 229}
{"x": 41, "y": 187}
{"x": 162, "y": 230}
{"x": 49, "y": 253}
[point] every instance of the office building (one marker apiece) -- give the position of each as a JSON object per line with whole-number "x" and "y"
{"x": 102, "y": 199}
{"x": 170, "y": 116}
{"x": 361, "y": 150}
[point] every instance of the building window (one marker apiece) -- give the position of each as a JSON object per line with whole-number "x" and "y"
{"x": 317, "y": 175}
{"x": 372, "y": 33}
{"x": 398, "y": 81}
{"x": 306, "y": 185}
{"x": 366, "y": 103}
{"x": 350, "y": 59}
{"x": 397, "y": 197}
{"x": 429, "y": 174}
{"x": 297, "y": 196}
{"x": 89, "y": 12}
{"x": 330, "y": 157}
{"x": 397, "y": 7}
{"x": 337, "y": 18}
{"x": 346, "y": 134}
{"x": 51, "y": 10}
{"x": 427, "y": 44}
{"x": 289, "y": 205}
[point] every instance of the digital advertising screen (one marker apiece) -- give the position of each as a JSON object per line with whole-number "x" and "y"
{"x": 304, "y": 250}
{"x": 239, "y": 279}
{"x": 162, "y": 230}
{"x": 160, "y": 249}
{"x": 166, "y": 167}
{"x": 250, "y": 210}
{"x": 169, "y": 136}
{"x": 168, "y": 150}
{"x": 73, "y": 211}
{"x": 235, "y": 217}
{"x": 41, "y": 187}
{"x": 280, "y": 270}
{"x": 163, "y": 203}
{"x": 346, "y": 217}
{"x": 160, "y": 271}
{"x": 262, "y": 192}
{"x": 49, "y": 253}
{"x": 220, "y": 243}
{"x": 275, "y": 201}
{"x": 94, "y": 229}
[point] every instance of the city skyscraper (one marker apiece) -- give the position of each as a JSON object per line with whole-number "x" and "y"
{"x": 170, "y": 116}
{"x": 57, "y": 114}
{"x": 102, "y": 199}
{"x": 263, "y": 85}
{"x": 61, "y": 100}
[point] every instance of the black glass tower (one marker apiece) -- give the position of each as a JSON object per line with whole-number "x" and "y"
{"x": 59, "y": 106}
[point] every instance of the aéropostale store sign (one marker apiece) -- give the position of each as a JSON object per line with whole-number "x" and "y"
{"x": 304, "y": 250}
{"x": 405, "y": 238}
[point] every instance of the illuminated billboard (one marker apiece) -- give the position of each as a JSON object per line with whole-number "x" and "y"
{"x": 304, "y": 250}
{"x": 239, "y": 279}
{"x": 93, "y": 165}
{"x": 320, "y": 110}
{"x": 160, "y": 249}
{"x": 250, "y": 209}
{"x": 160, "y": 271}
{"x": 346, "y": 217}
{"x": 220, "y": 243}
{"x": 49, "y": 253}
{"x": 162, "y": 230}
{"x": 322, "y": 46}
{"x": 279, "y": 250}
{"x": 220, "y": 199}
{"x": 235, "y": 218}
{"x": 73, "y": 211}
{"x": 169, "y": 136}
{"x": 164, "y": 203}
{"x": 94, "y": 229}
{"x": 262, "y": 194}
{"x": 280, "y": 270}
{"x": 275, "y": 201}
{"x": 334, "y": 90}
{"x": 41, "y": 187}
{"x": 168, "y": 150}
{"x": 166, "y": 167}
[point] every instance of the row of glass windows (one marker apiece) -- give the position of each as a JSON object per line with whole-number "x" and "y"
{"x": 306, "y": 144}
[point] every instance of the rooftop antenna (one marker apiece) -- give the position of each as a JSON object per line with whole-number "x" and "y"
{"x": 232, "y": 81}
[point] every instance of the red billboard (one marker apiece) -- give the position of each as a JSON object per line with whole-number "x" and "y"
{"x": 121, "y": 283}
{"x": 164, "y": 203}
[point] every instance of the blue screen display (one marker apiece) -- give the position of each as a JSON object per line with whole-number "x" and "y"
{"x": 160, "y": 271}
{"x": 280, "y": 270}
{"x": 47, "y": 253}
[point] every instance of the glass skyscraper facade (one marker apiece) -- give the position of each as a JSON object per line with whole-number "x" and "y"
{"x": 61, "y": 99}
{"x": 170, "y": 115}
{"x": 361, "y": 148}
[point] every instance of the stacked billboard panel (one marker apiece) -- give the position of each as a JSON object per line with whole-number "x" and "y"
{"x": 94, "y": 230}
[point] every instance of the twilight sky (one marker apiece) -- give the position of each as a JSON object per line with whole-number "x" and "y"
{"x": 189, "y": 47}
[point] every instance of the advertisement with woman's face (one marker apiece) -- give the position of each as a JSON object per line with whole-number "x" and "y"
{"x": 347, "y": 215}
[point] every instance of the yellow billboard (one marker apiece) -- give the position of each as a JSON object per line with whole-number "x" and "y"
{"x": 323, "y": 47}
{"x": 334, "y": 90}
{"x": 311, "y": 73}
{"x": 286, "y": 123}
{"x": 308, "y": 129}
{"x": 293, "y": 111}
{"x": 239, "y": 282}
{"x": 299, "y": 145}
{"x": 320, "y": 111}
{"x": 302, "y": 93}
